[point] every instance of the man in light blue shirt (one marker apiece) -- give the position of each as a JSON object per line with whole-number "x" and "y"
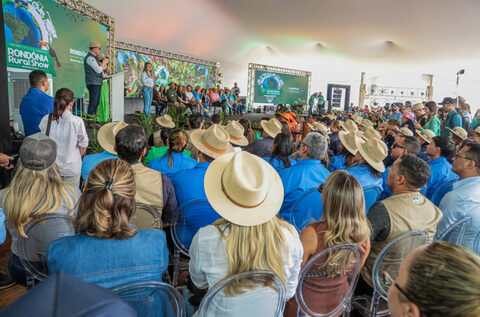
{"x": 464, "y": 199}
{"x": 307, "y": 173}
{"x": 106, "y": 139}
{"x": 396, "y": 114}
{"x": 440, "y": 150}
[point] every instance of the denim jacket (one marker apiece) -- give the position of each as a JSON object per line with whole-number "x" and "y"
{"x": 110, "y": 263}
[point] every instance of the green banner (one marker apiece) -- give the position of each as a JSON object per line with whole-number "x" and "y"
{"x": 25, "y": 57}
{"x": 280, "y": 88}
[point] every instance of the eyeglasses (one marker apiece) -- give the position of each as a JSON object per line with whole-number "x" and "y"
{"x": 394, "y": 145}
{"x": 463, "y": 157}
{"x": 390, "y": 281}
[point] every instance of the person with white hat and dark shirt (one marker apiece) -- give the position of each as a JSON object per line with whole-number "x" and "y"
{"x": 94, "y": 74}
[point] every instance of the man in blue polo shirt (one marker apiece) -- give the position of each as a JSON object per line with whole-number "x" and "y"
{"x": 36, "y": 104}
{"x": 440, "y": 150}
{"x": 106, "y": 139}
{"x": 396, "y": 114}
{"x": 454, "y": 119}
{"x": 307, "y": 173}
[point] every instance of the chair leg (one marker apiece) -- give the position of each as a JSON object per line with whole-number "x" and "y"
{"x": 374, "y": 304}
{"x": 176, "y": 263}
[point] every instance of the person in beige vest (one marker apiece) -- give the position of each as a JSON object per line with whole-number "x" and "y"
{"x": 404, "y": 211}
{"x": 152, "y": 188}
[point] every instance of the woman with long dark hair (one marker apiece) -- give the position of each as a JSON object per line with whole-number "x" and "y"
{"x": 174, "y": 160}
{"x": 433, "y": 122}
{"x": 282, "y": 148}
{"x": 69, "y": 132}
{"x": 147, "y": 90}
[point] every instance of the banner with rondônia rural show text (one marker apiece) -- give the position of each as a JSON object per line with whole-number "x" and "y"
{"x": 47, "y": 36}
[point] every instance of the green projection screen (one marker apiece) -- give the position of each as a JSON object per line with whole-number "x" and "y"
{"x": 280, "y": 88}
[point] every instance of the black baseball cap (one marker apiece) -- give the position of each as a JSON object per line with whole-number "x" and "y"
{"x": 447, "y": 100}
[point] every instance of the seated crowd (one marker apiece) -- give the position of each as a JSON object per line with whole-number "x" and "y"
{"x": 272, "y": 202}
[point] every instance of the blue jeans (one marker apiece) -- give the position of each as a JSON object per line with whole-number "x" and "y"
{"x": 94, "y": 98}
{"x": 310, "y": 110}
{"x": 147, "y": 94}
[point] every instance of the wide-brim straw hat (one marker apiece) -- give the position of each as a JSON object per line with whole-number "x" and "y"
{"x": 166, "y": 121}
{"x": 366, "y": 123}
{"x": 214, "y": 141}
{"x": 106, "y": 135}
{"x": 272, "y": 127}
{"x": 94, "y": 44}
{"x": 426, "y": 135}
{"x": 418, "y": 106}
{"x": 477, "y": 129}
{"x": 406, "y": 131}
{"x": 349, "y": 126}
{"x": 320, "y": 128}
{"x": 348, "y": 140}
{"x": 460, "y": 132}
{"x": 235, "y": 130}
{"x": 371, "y": 133}
{"x": 374, "y": 152}
{"x": 243, "y": 188}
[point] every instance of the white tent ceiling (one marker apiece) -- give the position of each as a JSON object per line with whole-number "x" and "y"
{"x": 328, "y": 37}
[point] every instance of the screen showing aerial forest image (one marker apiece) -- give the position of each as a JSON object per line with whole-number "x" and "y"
{"x": 165, "y": 69}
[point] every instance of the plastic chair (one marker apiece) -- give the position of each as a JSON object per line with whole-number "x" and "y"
{"x": 268, "y": 299}
{"x": 315, "y": 280}
{"x": 152, "y": 298}
{"x": 372, "y": 194}
{"x": 456, "y": 232}
{"x": 33, "y": 249}
{"x": 385, "y": 269}
{"x": 305, "y": 209}
{"x": 190, "y": 217}
{"x": 442, "y": 190}
{"x": 476, "y": 244}
{"x": 146, "y": 217}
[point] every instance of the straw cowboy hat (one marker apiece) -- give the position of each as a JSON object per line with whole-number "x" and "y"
{"x": 417, "y": 106}
{"x": 374, "y": 152}
{"x": 371, "y": 133}
{"x": 214, "y": 141}
{"x": 349, "y": 125}
{"x": 317, "y": 126}
{"x": 94, "y": 44}
{"x": 409, "y": 115}
{"x": 106, "y": 135}
{"x": 406, "y": 131}
{"x": 272, "y": 127}
{"x": 460, "y": 132}
{"x": 477, "y": 129}
{"x": 356, "y": 118}
{"x": 235, "y": 130}
{"x": 166, "y": 121}
{"x": 366, "y": 123}
{"x": 243, "y": 188}
{"x": 348, "y": 141}
{"x": 426, "y": 135}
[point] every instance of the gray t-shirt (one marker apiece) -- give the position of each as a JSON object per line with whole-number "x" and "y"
{"x": 42, "y": 235}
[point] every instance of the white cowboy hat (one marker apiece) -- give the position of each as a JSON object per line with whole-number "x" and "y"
{"x": 243, "y": 188}
{"x": 349, "y": 125}
{"x": 235, "y": 130}
{"x": 320, "y": 128}
{"x": 366, "y": 123}
{"x": 374, "y": 152}
{"x": 106, "y": 135}
{"x": 272, "y": 127}
{"x": 348, "y": 140}
{"x": 477, "y": 129}
{"x": 460, "y": 132}
{"x": 426, "y": 135}
{"x": 166, "y": 121}
{"x": 214, "y": 141}
{"x": 406, "y": 131}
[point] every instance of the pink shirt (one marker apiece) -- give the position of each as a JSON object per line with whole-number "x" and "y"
{"x": 214, "y": 96}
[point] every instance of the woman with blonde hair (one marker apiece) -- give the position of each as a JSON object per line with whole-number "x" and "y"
{"x": 107, "y": 250}
{"x": 343, "y": 221}
{"x": 174, "y": 160}
{"x": 247, "y": 130}
{"x": 248, "y": 237}
{"x": 435, "y": 280}
{"x": 36, "y": 191}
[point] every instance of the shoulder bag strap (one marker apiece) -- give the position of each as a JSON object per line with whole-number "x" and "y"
{"x": 49, "y": 124}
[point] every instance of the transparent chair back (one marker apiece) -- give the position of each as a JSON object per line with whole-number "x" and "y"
{"x": 372, "y": 194}
{"x": 146, "y": 217}
{"x": 306, "y": 209}
{"x": 152, "y": 299}
{"x": 33, "y": 249}
{"x": 386, "y": 266}
{"x": 456, "y": 232}
{"x": 476, "y": 244}
{"x": 442, "y": 190}
{"x": 327, "y": 281}
{"x": 264, "y": 296}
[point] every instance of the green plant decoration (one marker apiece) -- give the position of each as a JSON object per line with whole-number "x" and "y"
{"x": 148, "y": 122}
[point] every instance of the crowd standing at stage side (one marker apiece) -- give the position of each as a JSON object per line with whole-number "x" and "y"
{"x": 421, "y": 161}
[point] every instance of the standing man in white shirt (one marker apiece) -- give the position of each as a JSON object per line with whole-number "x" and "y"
{"x": 94, "y": 74}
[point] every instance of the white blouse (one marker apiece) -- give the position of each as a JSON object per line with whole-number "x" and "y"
{"x": 70, "y": 135}
{"x": 209, "y": 264}
{"x": 147, "y": 80}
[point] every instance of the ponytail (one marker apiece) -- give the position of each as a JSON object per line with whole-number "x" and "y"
{"x": 63, "y": 97}
{"x": 177, "y": 142}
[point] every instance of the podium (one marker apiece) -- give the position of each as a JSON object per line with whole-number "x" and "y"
{"x": 116, "y": 96}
